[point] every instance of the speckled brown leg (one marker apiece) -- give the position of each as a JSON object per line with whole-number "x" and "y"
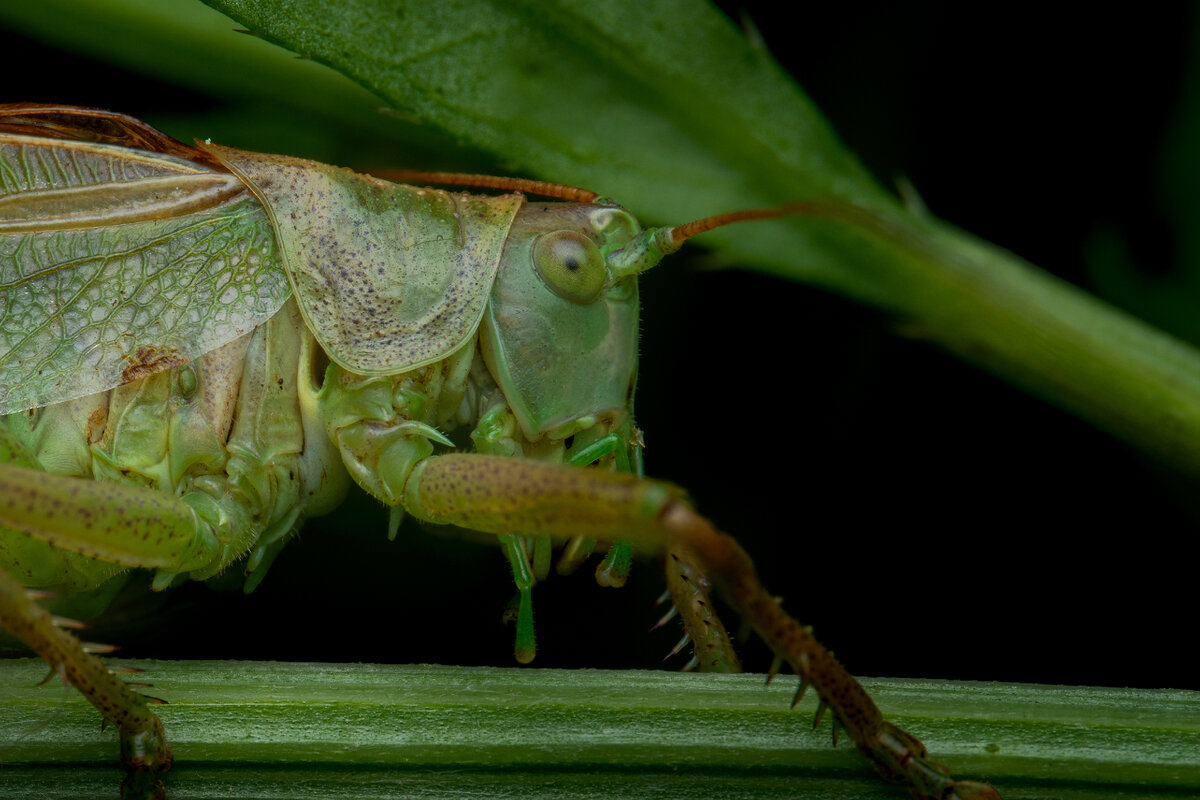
{"x": 507, "y": 495}
{"x": 144, "y": 747}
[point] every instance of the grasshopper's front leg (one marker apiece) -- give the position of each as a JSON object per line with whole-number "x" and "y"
{"x": 511, "y": 495}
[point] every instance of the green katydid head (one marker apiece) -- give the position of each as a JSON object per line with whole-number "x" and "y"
{"x": 560, "y": 331}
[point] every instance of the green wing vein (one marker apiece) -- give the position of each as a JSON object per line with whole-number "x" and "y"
{"x": 80, "y": 306}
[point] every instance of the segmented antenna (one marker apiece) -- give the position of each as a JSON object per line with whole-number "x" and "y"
{"x": 557, "y": 191}
{"x": 681, "y": 233}
{"x": 648, "y": 248}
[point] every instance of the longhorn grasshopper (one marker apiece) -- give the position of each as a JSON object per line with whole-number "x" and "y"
{"x": 203, "y": 346}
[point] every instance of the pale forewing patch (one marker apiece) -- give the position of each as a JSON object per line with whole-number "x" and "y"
{"x": 84, "y": 310}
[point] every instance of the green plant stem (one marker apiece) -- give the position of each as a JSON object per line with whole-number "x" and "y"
{"x": 1034, "y": 330}
{"x": 355, "y": 730}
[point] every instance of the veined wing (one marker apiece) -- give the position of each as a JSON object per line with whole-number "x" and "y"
{"x": 117, "y": 262}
